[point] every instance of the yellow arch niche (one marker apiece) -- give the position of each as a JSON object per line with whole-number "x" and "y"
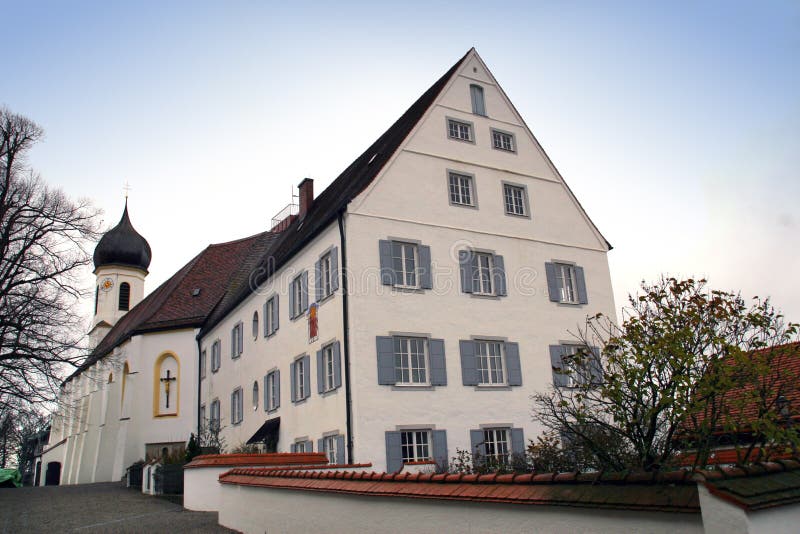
{"x": 157, "y": 385}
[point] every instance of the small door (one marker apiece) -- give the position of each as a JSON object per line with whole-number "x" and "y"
{"x": 52, "y": 476}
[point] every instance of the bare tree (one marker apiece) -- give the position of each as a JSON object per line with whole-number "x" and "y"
{"x": 43, "y": 239}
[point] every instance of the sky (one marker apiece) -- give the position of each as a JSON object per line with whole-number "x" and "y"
{"x": 676, "y": 124}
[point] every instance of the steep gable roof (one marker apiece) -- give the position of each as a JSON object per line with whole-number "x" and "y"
{"x": 174, "y": 303}
{"x": 334, "y": 199}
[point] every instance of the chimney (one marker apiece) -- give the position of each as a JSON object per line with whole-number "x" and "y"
{"x": 306, "y": 189}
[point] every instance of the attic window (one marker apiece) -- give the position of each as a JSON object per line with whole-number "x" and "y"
{"x": 196, "y": 292}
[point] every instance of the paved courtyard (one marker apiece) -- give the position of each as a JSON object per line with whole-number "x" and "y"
{"x": 106, "y": 507}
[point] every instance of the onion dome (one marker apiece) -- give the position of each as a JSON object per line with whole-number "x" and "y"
{"x": 123, "y": 245}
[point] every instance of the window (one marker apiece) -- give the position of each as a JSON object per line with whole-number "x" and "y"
{"x": 236, "y": 406}
{"x": 329, "y": 448}
{"x": 328, "y": 374}
{"x": 237, "y": 340}
{"x": 410, "y": 360}
{"x": 255, "y": 325}
{"x": 255, "y": 396}
{"x": 300, "y": 446}
{"x": 124, "y": 296}
{"x": 405, "y": 264}
{"x": 496, "y": 445}
{"x": 272, "y": 392}
{"x": 301, "y": 378}
{"x": 298, "y": 295}
{"x": 216, "y": 359}
{"x": 203, "y": 364}
{"x": 214, "y": 422}
{"x": 271, "y": 316}
{"x": 490, "y": 362}
{"x": 415, "y": 445}
{"x": 460, "y": 187}
{"x": 459, "y": 130}
{"x": 325, "y": 275}
{"x": 515, "y": 200}
{"x": 565, "y": 277}
{"x": 575, "y": 365}
{"x": 478, "y": 104}
{"x": 202, "y": 415}
{"x": 566, "y": 283}
{"x": 482, "y": 273}
{"x": 503, "y": 141}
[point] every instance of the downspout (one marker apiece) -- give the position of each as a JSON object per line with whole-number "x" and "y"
{"x": 199, "y": 386}
{"x": 346, "y": 343}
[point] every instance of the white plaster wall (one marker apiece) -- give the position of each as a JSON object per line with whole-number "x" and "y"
{"x": 254, "y": 510}
{"x": 108, "y": 301}
{"x": 201, "y": 488}
{"x": 316, "y": 415}
{"x": 721, "y": 517}
{"x": 781, "y": 520}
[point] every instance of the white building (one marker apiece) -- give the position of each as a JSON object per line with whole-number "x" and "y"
{"x": 409, "y": 310}
{"x": 467, "y": 260}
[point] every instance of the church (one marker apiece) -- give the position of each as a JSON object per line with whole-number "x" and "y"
{"x": 407, "y": 312}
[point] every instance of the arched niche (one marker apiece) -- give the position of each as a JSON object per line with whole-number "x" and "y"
{"x": 166, "y": 385}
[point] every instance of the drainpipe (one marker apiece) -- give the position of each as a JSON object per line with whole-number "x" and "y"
{"x": 199, "y": 385}
{"x": 346, "y": 343}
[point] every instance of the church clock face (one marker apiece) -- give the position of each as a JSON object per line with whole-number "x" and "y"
{"x": 106, "y": 284}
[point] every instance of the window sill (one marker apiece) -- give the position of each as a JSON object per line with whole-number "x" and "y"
{"x": 470, "y": 141}
{"x": 273, "y": 410}
{"x": 517, "y": 215}
{"x": 570, "y": 304}
{"x": 300, "y": 401}
{"x": 329, "y": 392}
{"x": 300, "y": 316}
{"x": 413, "y": 387}
{"x": 407, "y": 289}
{"x": 493, "y": 387}
{"x": 267, "y": 336}
{"x": 469, "y": 206}
{"x": 326, "y": 298}
{"x": 484, "y": 296}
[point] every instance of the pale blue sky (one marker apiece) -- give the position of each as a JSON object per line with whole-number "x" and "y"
{"x": 677, "y": 126}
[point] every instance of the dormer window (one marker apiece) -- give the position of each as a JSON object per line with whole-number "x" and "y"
{"x": 478, "y": 104}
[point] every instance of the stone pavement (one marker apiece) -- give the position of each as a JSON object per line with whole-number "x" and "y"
{"x": 92, "y": 508}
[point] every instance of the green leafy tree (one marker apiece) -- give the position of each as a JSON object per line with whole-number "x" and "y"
{"x": 686, "y": 366}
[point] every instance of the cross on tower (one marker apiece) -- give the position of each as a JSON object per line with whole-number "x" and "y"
{"x": 167, "y": 379}
{"x": 126, "y": 188}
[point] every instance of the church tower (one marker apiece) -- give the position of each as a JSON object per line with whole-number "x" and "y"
{"x": 121, "y": 259}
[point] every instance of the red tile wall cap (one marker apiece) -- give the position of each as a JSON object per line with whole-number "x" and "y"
{"x": 759, "y": 469}
{"x": 273, "y": 459}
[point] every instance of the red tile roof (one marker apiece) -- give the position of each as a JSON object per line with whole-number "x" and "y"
{"x": 673, "y": 491}
{"x": 317, "y": 459}
{"x": 174, "y": 304}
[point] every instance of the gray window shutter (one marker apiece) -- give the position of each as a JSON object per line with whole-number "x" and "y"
{"x": 438, "y": 362}
{"x": 560, "y": 379}
{"x": 513, "y": 364}
{"x": 291, "y": 300}
{"x": 581, "y": 282}
{"x": 340, "y": 449}
{"x": 318, "y": 278}
{"x": 337, "y": 365}
{"x": 386, "y": 375}
{"x": 266, "y": 396}
{"x": 321, "y": 445}
{"x": 394, "y": 452}
{"x": 293, "y": 381}
{"x": 307, "y": 377}
{"x": 476, "y": 445}
{"x": 465, "y": 266}
{"x": 552, "y": 282}
{"x": 320, "y": 373}
{"x": 291, "y": 447}
{"x": 241, "y": 405}
{"x": 277, "y": 388}
{"x": 388, "y": 275}
{"x": 469, "y": 364}
{"x": 478, "y": 105}
{"x": 309, "y": 446}
{"x": 596, "y": 366}
{"x": 499, "y": 276}
{"x": 276, "y": 315}
{"x": 440, "y": 449}
{"x": 267, "y": 326}
{"x": 517, "y": 441}
{"x": 233, "y": 408}
{"x": 334, "y": 268}
{"x": 304, "y": 305}
{"x": 425, "y": 272}
{"x": 240, "y": 348}
{"x": 233, "y": 342}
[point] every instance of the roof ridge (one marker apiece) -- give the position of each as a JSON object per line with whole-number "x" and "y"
{"x": 234, "y": 241}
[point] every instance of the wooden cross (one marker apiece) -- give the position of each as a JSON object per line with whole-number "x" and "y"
{"x": 166, "y": 381}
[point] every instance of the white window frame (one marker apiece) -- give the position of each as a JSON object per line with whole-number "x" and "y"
{"x": 498, "y": 439}
{"x": 215, "y": 420}
{"x": 202, "y": 415}
{"x": 483, "y": 285}
{"x": 299, "y": 378}
{"x": 577, "y": 371}
{"x": 457, "y": 127}
{"x": 328, "y": 368}
{"x": 300, "y": 444}
{"x": 203, "y": 363}
{"x": 216, "y": 355}
{"x": 456, "y": 187}
{"x": 256, "y": 394}
{"x": 255, "y": 325}
{"x": 508, "y": 194}
{"x": 401, "y": 275}
{"x": 272, "y": 399}
{"x": 297, "y": 292}
{"x": 270, "y": 316}
{"x": 329, "y": 447}
{"x": 500, "y": 135}
{"x": 404, "y": 371}
{"x": 415, "y": 441}
{"x": 567, "y": 283}
{"x": 237, "y": 403}
{"x": 491, "y": 368}
{"x": 237, "y": 348}
{"x": 326, "y": 273}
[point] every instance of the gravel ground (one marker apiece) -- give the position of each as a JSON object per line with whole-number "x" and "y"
{"x": 91, "y": 508}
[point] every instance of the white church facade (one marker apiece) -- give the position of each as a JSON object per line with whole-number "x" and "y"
{"x": 411, "y": 309}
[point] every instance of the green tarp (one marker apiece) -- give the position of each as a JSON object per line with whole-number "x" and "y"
{"x": 10, "y": 478}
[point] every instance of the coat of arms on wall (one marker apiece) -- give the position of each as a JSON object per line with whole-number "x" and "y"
{"x": 313, "y": 322}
